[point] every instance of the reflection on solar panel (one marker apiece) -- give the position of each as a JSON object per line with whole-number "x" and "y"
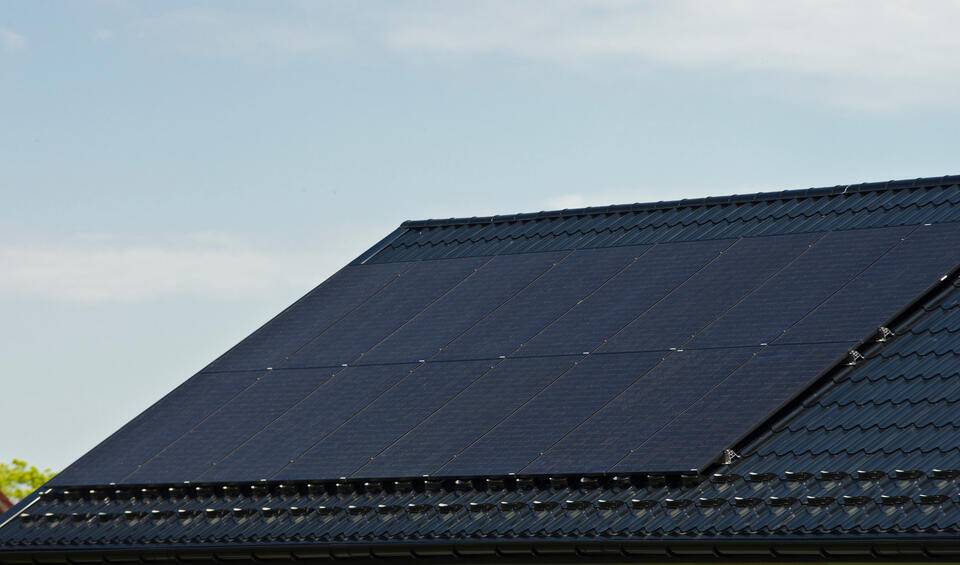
{"x": 619, "y": 359}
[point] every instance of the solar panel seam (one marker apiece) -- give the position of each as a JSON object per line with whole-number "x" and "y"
{"x": 507, "y": 417}
{"x": 688, "y": 340}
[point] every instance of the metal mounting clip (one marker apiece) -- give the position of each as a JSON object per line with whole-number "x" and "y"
{"x": 729, "y": 455}
{"x": 885, "y": 334}
{"x": 855, "y": 357}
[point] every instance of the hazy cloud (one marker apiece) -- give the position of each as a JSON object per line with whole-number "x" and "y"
{"x": 102, "y": 269}
{"x": 12, "y": 41}
{"x": 219, "y": 34}
{"x": 872, "y": 53}
{"x": 103, "y": 35}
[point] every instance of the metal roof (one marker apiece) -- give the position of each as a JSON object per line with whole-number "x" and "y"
{"x": 865, "y": 463}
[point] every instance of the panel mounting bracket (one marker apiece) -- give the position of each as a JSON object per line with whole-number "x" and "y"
{"x": 855, "y": 357}
{"x": 884, "y": 334}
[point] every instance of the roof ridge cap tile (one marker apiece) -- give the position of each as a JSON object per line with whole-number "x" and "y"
{"x": 788, "y": 194}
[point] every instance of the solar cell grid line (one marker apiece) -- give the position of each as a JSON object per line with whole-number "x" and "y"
{"x": 157, "y": 426}
{"x": 520, "y": 437}
{"x": 580, "y": 274}
{"x": 787, "y": 296}
{"x": 881, "y": 290}
{"x": 228, "y": 426}
{"x": 600, "y": 440}
{"x": 366, "y": 326}
{"x": 307, "y": 422}
{"x": 709, "y": 292}
{"x": 456, "y": 424}
{"x": 308, "y": 317}
{"x": 622, "y": 298}
{"x": 379, "y": 423}
{"x": 498, "y": 280}
{"x": 733, "y": 408}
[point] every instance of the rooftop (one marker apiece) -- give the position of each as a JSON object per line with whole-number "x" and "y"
{"x": 768, "y": 375}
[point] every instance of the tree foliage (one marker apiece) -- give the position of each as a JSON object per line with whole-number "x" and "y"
{"x": 18, "y": 478}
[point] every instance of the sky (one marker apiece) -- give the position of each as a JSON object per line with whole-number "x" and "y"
{"x": 174, "y": 174}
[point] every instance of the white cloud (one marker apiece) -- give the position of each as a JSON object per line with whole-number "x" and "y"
{"x": 103, "y": 35}
{"x": 873, "y": 53}
{"x": 12, "y": 41}
{"x": 218, "y": 34}
{"x": 104, "y": 269}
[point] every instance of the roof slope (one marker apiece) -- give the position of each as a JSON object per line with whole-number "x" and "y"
{"x": 832, "y": 452}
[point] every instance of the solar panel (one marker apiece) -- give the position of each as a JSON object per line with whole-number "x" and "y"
{"x": 389, "y": 309}
{"x": 547, "y": 417}
{"x": 385, "y": 420}
{"x": 460, "y": 422}
{"x": 673, "y": 321}
{"x": 641, "y": 410}
{"x": 884, "y": 288}
{"x": 231, "y": 424}
{"x": 306, "y": 423}
{"x": 309, "y": 316}
{"x": 546, "y": 299}
{"x": 162, "y": 423}
{"x": 800, "y": 287}
{"x": 622, "y": 298}
{"x": 732, "y": 409}
{"x": 463, "y": 306}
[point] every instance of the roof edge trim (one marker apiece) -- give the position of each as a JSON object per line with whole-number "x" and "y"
{"x": 925, "y": 182}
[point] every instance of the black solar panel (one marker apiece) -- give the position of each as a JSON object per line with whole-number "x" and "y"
{"x": 611, "y": 360}
{"x": 716, "y": 288}
{"x": 546, "y": 418}
{"x": 651, "y": 277}
{"x": 466, "y": 417}
{"x": 462, "y": 307}
{"x": 307, "y": 422}
{"x": 801, "y": 286}
{"x": 386, "y": 419}
{"x": 385, "y": 312}
{"x": 220, "y": 432}
{"x": 637, "y": 413}
{"x": 885, "y": 287}
{"x": 546, "y": 299}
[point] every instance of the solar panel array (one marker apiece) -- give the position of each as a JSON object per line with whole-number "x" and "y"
{"x": 623, "y": 359}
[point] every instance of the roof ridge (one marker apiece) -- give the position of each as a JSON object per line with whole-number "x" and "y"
{"x": 793, "y": 194}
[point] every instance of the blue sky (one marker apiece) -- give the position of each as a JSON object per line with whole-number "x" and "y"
{"x": 173, "y": 174}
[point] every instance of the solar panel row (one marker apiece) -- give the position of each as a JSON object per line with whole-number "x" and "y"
{"x": 478, "y": 366}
